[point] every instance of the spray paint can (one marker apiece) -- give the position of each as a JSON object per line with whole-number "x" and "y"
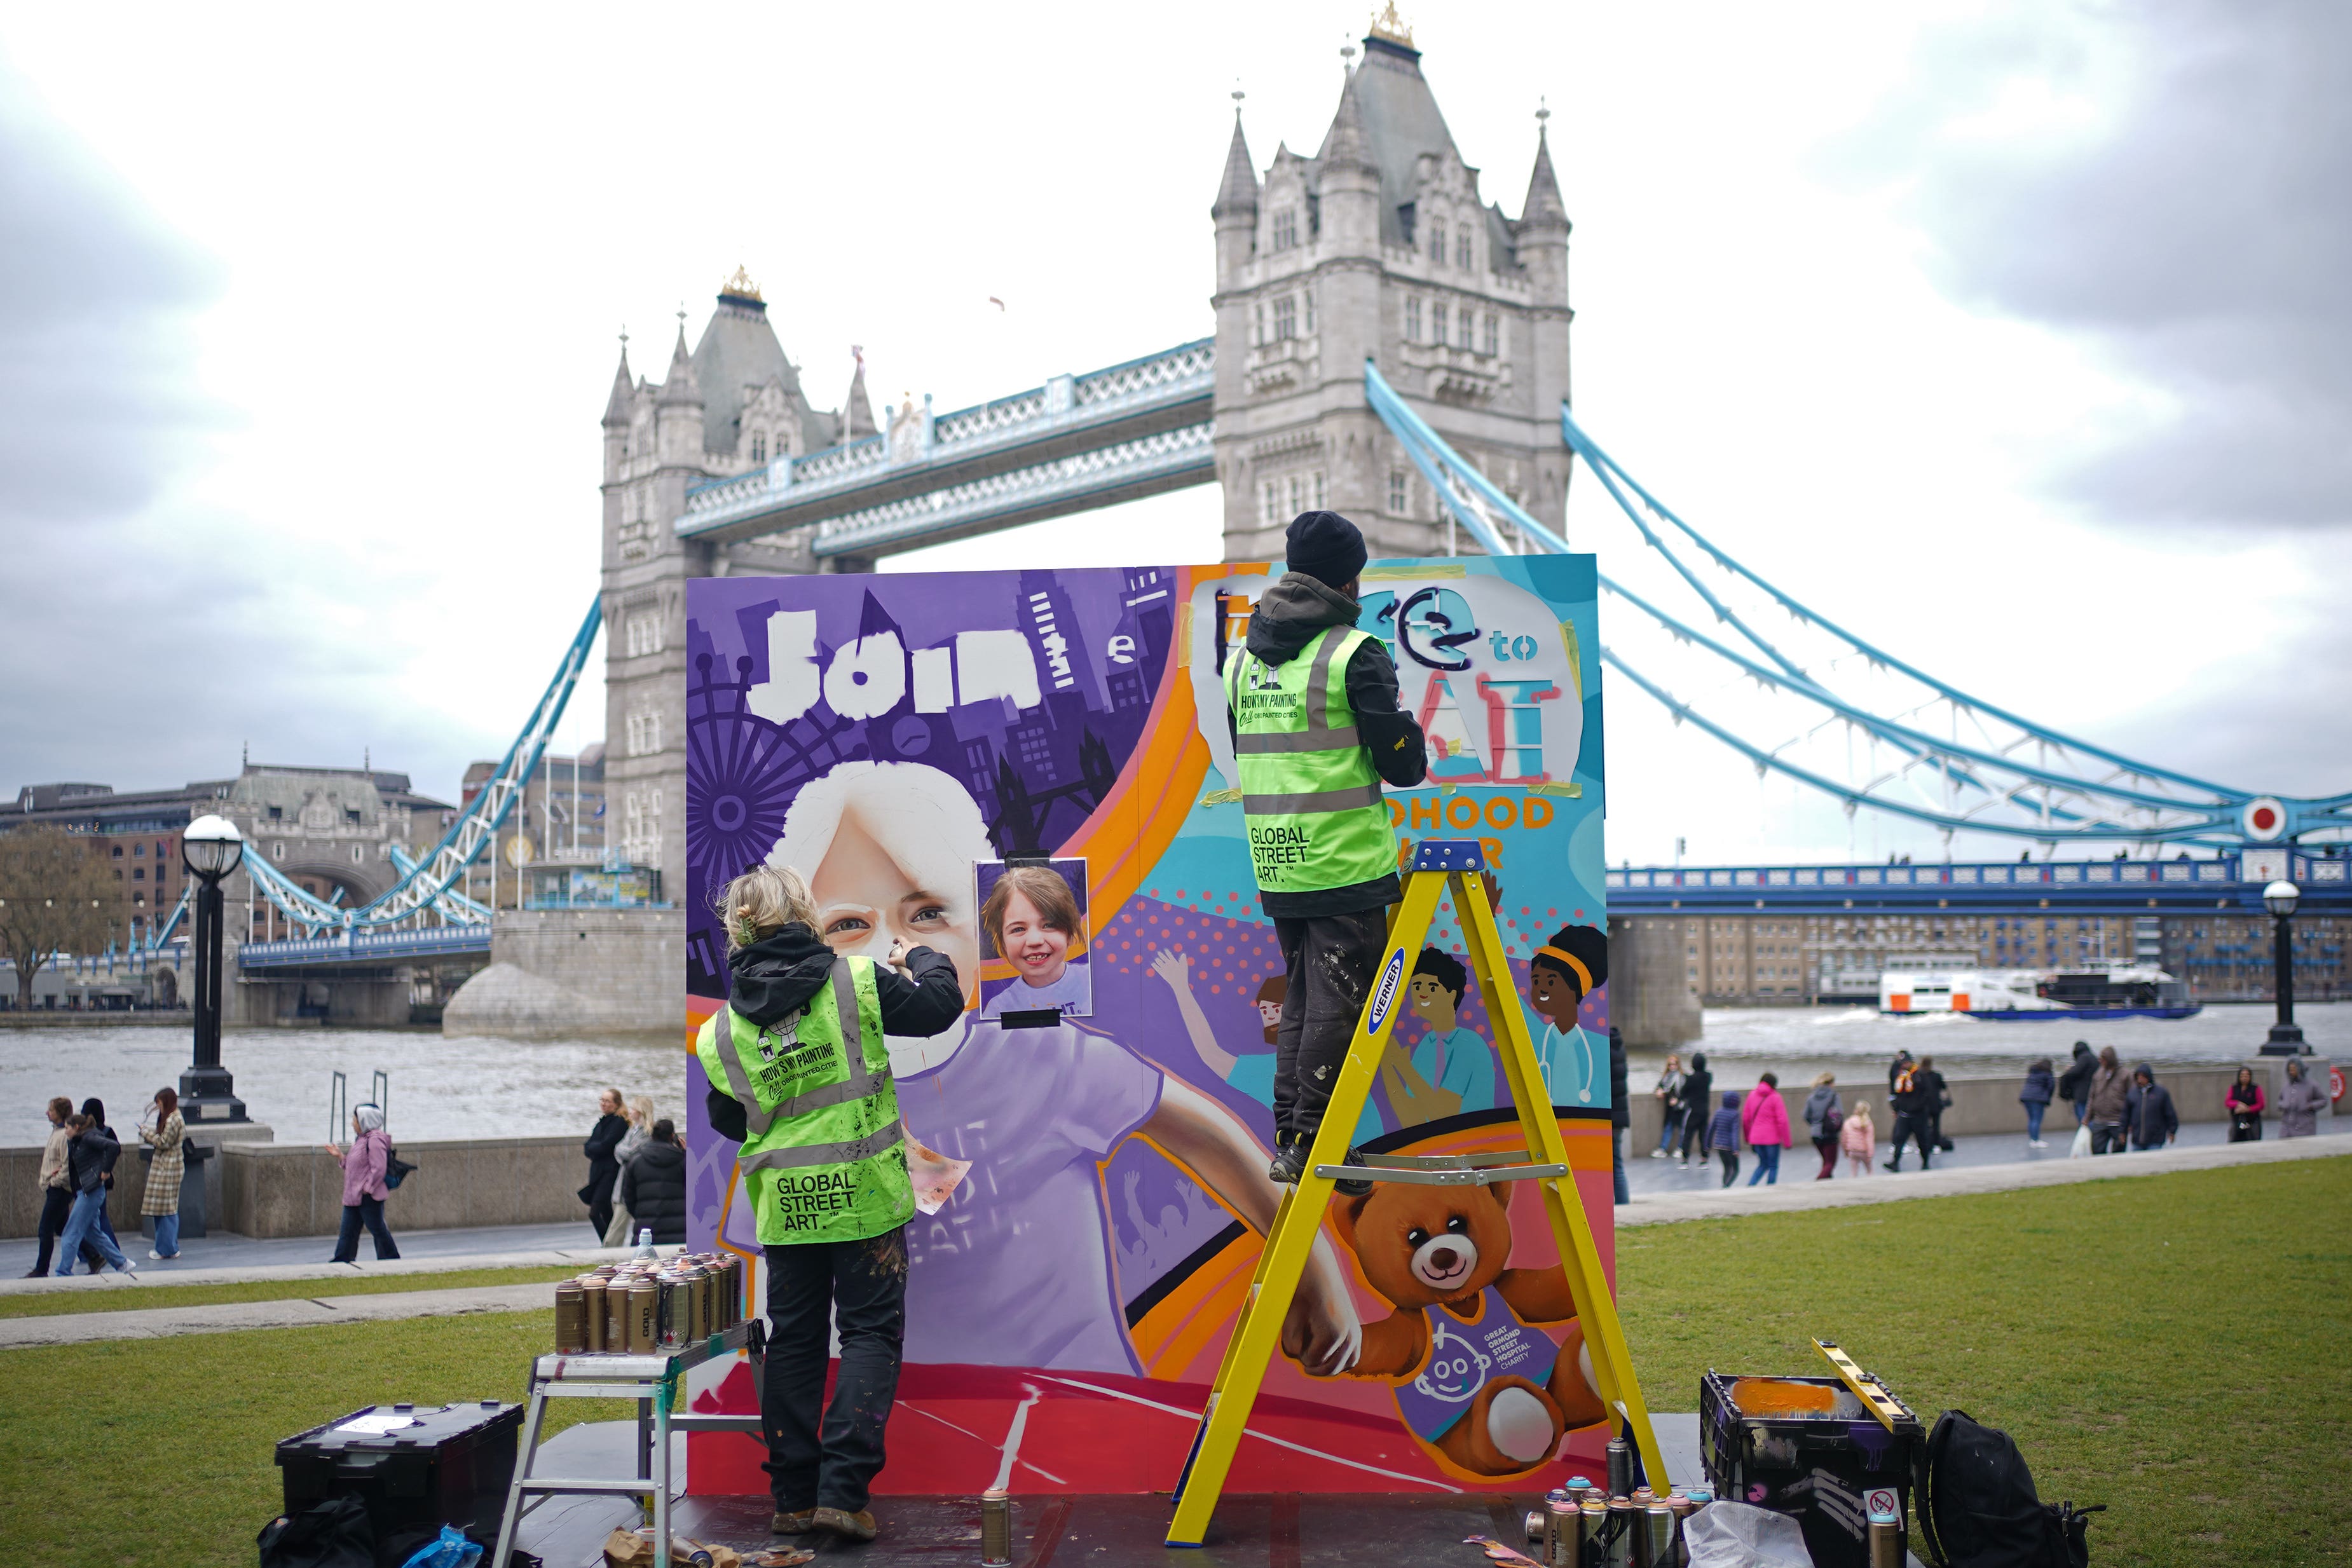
{"x": 592, "y": 1312}
{"x": 1654, "y": 1541}
{"x": 1563, "y": 1535}
{"x": 1683, "y": 1507}
{"x": 571, "y": 1319}
{"x": 1592, "y": 1531}
{"x": 644, "y": 1310}
{"x": 995, "y": 1529}
{"x": 1885, "y": 1539}
{"x": 1620, "y": 1467}
{"x": 1578, "y": 1488}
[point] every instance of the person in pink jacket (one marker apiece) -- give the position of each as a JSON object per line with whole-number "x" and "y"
{"x": 1764, "y": 1123}
{"x": 365, "y": 1164}
{"x": 1858, "y": 1138}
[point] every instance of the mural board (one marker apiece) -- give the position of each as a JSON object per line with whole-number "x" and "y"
{"x": 1075, "y": 1270}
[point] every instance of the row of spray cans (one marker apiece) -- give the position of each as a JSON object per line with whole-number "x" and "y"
{"x": 644, "y": 1307}
{"x": 1619, "y": 1525}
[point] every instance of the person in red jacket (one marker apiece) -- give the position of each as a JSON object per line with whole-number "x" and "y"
{"x": 2245, "y": 1105}
{"x": 1764, "y": 1123}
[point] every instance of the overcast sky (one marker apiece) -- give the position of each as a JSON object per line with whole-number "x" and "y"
{"x": 2013, "y": 334}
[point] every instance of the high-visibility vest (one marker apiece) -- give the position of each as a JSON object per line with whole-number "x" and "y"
{"x": 1309, "y": 797}
{"x": 823, "y": 1154}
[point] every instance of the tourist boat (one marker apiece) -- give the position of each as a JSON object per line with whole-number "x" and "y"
{"x": 2106, "y": 991}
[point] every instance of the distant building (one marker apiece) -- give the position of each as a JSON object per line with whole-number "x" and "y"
{"x": 561, "y": 812}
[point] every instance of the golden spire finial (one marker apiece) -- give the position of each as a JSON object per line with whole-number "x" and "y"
{"x": 741, "y": 286}
{"x": 1388, "y": 24}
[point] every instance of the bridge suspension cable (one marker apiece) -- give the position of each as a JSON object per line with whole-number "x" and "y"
{"x": 430, "y": 888}
{"x": 2008, "y": 775}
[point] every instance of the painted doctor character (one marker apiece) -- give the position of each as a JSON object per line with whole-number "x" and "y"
{"x": 1016, "y": 1268}
{"x": 1560, "y": 974}
{"x": 1032, "y": 916}
{"x": 1451, "y": 1070}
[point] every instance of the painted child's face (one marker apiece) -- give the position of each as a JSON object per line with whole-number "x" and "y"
{"x": 1039, "y": 953}
{"x": 865, "y": 902}
{"x": 1554, "y": 995}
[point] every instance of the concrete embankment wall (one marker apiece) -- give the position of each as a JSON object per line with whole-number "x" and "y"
{"x": 560, "y": 970}
{"x": 266, "y": 1189}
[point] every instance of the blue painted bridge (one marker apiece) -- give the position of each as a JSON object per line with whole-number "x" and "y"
{"x": 2229, "y": 883}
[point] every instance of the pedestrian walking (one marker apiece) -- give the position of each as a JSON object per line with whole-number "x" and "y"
{"x": 95, "y": 1109}
{"x": 2300, "y": 1102}
{"x": 2243, "y": 1103}
{"x": 93, "y": 1152}
{"x": 2109, "y": 1090}
{"x": 623, "y": 1228}
{"x": 653, "y": 1185}
{"x": 1764, "y": 1122}
{"x": 1938, "y": 1099}
{"x": 1620, "y": 1114}
{"x": 1670, "y": 1110}
{"x": 1895, "y": 1069}
{"x": 2148, "y": 1111}
{"x": 1723, "y": 1136}
{"x": 826, "y": 1176}
{"x": 1699, "y": 1086}
{"x": 602, "y": 1149}
{"x": 1824, "y": 1117}
{"x": 161, "y": 1202}
{"x": 365, "y": 1164}
{"x": 1859, "y": 1138}
{"x": 2075, "y": 1084}
{"x": 2041, "y": 1088}
{"x": 1912, "y": 1120}
{"x": 55, "y": 1183}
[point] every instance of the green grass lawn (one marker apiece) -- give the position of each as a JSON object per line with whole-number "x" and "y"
{"x": 2174, "y": 1346}
{"x": 143, "y": 1298}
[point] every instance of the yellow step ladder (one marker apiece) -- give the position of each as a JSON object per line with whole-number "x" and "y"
{"x": 1438, "y": 866}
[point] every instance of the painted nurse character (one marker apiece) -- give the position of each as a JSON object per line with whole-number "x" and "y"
{"x": 1017, "y": 1269}
{"x": 1560, "y": 974}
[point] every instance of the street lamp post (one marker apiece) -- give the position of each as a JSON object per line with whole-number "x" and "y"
{"x": 212, "y": 849}
{"x": 2286, "y": 1035}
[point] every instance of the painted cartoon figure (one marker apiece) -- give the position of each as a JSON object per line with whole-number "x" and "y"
{"x": 1473, "y": 1376}
{"x": 1560, "y": 974}
{"x": 1451, "y": 1070}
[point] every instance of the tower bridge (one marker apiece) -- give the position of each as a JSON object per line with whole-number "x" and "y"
{"x": 1388, "y": 342}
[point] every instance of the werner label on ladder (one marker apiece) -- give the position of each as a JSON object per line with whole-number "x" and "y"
{"x": 1491, "y": 1365}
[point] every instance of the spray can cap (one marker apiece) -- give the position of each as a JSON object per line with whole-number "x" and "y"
{"x": 1885, "y": 1516}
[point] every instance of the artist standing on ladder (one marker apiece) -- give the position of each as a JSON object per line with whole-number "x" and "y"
{"x": 800, "y": 1076}
{"x": 1316, "y": 727}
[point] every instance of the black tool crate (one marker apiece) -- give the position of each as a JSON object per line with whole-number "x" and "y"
{"x": 448, "y": 1464}
{"x": 1824, "y": 1468}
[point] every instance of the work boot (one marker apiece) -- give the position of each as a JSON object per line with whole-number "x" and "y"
{"x": 799, "y": 1521}
{"x": 1289, "y": 1163}
{"x": 858, "y": 1526}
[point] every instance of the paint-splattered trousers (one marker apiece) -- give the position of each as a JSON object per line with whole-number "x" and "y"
{"x": 860, "y": 1287}
{"x": 1330, "y": 961}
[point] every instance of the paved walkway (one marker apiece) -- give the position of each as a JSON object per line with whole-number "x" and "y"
{"x": 299, "y": 1312}
{"x": 204, "y": 1254}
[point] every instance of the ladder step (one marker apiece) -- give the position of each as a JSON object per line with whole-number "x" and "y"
{"x": 1481, "y": 1176}
{"x": 1447, "y": 1162}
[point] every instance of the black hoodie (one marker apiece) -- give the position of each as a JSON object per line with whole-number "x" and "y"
{"x": 1290, "y": 615}
{"x": 777, "y": 975}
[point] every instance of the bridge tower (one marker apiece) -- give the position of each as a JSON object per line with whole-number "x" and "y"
{"x": 733, "y": 405}
{"x": 1381, "y": 246}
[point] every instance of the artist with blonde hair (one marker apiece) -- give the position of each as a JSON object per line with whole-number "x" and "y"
{"x": 799, "y": 1077}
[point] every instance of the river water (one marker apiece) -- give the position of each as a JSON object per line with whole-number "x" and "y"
{"x": 480, "y": 1086}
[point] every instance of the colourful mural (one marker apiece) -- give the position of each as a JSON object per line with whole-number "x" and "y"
{"x": 1075, "y": 1269}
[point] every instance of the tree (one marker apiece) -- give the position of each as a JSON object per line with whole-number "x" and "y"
{"x": 56, "y": 896}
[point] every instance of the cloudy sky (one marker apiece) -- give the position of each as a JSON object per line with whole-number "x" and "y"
{"x": 2013, "y": 334}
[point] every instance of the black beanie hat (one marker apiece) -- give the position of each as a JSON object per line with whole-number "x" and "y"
{"x": 1326, "y": 545}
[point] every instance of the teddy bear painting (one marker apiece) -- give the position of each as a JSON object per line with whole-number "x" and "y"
{"x": 1476, "y": 1378}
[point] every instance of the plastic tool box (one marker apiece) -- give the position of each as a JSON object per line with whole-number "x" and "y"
{"x": 417, "y": 1467}
{"x": 1807, "y": 1447}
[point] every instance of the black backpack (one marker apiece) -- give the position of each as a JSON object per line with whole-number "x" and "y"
{"x": 1978, "y": 1508}
{"x": 333, "y": 1533}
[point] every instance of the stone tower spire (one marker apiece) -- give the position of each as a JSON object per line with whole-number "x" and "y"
{"x": 1543, "y": 212}
{"x": 677, "y": 409}
{"x": 1541, "y": 237}
{"x": 616, "y": 407}
{"x": 1237, "y": 192}
{"x": 858, "y": 413}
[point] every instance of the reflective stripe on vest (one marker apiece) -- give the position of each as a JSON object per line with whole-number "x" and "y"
{"x": 858, "y": 1086}
{"x": 846, "y": 1153}
{"x": 1311, "y": 800}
